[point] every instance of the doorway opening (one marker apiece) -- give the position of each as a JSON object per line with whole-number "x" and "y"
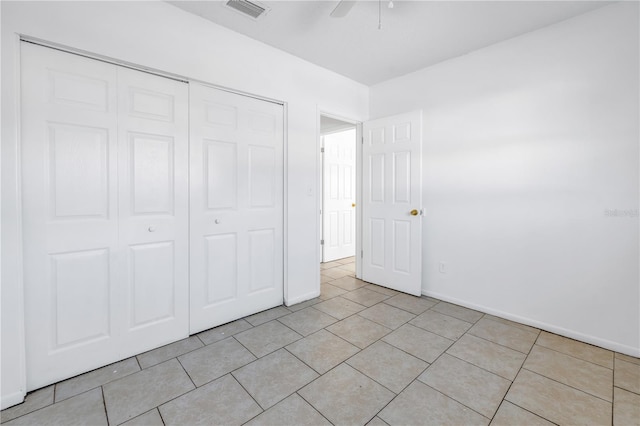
{"x": 339, "y": 197}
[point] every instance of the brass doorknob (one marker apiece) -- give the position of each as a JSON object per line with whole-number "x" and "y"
{"x": 414, "y": 212}
{"x": 353, "y": 204}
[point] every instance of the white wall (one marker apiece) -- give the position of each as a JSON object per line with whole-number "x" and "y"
{"x": 526, "y": 144}
{"x": 160, "y": 36}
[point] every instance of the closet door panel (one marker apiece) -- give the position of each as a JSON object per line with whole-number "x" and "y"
{"x": 153, "y": 193}
{"x": 70, "y": 219}
{"x": 236, "y": 170}
{"x": 104, "y": 162}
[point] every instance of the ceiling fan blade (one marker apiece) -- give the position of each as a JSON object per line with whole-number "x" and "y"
{"x": 342, "y": 9}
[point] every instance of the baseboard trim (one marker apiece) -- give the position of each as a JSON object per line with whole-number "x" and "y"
{"x": 12, "y": 399}
{"x": 592, "y": 340}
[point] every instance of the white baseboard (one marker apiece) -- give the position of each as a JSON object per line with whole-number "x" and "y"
{"x": 303, "y": 298}
{"x": 603, "y": 343}
{"x": 11, "y": 399}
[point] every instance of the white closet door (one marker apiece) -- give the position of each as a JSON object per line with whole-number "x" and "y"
{"x": 82, "y": 300}
{"x": 236, "y": 206}
{"x": 153, "y": 161}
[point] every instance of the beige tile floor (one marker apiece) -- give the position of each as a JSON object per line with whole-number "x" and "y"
{"x": 359, "y": 354}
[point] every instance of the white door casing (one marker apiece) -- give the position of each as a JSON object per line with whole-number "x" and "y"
{"x": 392, "y": 235}
{"x": 236, "y": 175}
{"x": 339, "y": 195}
{"x": 103, "y": 152}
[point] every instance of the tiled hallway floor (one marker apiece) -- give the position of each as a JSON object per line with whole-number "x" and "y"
{"x": 358, "y": 354}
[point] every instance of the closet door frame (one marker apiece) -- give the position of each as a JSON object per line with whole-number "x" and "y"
{"x": 12, "y": 239}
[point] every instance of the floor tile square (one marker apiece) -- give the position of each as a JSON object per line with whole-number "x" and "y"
{"x": 268, "y": 315}
{"x": 222, "y": 332}
{"x": 576, "y": 349}
{"x": 329, "y": 265}
{"x": 505, "y": 335}
{"x": 346, "y": 396}
{"x": 302, "y": 305}
{"x": 470, "y": 385}
{"x": 348, "y": 283}
{"x": 32, "y": 402}
{"x": 582, "y": 375}
{"x": 322, "y": 350}
{"x": 335, "y": 273}
{"x": 84, "y": 409}
{"x": 139, "y": 392}
{"x": 631, "y": 359}
{"x": 556, "y": 402}
{"x": 307, "y": 321}
{"x": 210, "y": 362}
{"x": 150, "y": 418}
{"x": 339, "y": 307}
{"x": 419, "y": 404}
{"x": 325, "y": 278}
{"x": 492, "y": 357}
{"x": 418, "y": 342}
{"x": 387, "y": 365}
{"x": 359, "y": 331}
{"x": 365, "y": 297}
{"x": 329, "y": 291}
{"x": 415, "y": 305}
{"x": 456, "y": 311}
{"x": 266, "y": 338}
{"x": 377, "y": 421}
{"x": 274, "y": 377}
{"x": 93, "y": 379}
{"x": 384, "y": 290}
{"x": 626, "y": 408}
{"x": 169, "y": 351}
{"x": 349, "y": 267}
{"x": 387, "y": 315}
{"x": 292, "y": 411}
{"x": 221, "y": 402}
{"x": 627, "y": 376}
{"x": 443, "y": 325}
{"x": 346, "y": 260}
{"x": 510, "y": 415}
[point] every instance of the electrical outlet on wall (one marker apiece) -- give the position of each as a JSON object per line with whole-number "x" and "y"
{"x": 442, "y": 267}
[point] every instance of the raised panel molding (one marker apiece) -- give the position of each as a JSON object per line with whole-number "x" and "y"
{"x": 82, "y": 275}
{"x": 262, "y": 172}
{"x": 152, "y": 177}
{"x": 78, "y": 91}
{"x": 221, "y": 267}
{"x": 220, "y": 174}
{"x": 221, "y": 115}
{"x": 79, "y": 170}
{"x": 152, "y": 105}
{"x": 152, "y": 272}
{"x": 261, "y": 259}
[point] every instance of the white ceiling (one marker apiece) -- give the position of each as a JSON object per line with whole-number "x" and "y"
{"x": 414, "y": 34}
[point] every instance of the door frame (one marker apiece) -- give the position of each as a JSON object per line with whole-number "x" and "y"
{"x": 11, "y": 261}
{"x": 320, "y": 189}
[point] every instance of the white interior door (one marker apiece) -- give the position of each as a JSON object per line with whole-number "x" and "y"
{"x": 236, "y": 206}
{"x": 339, "y": 195}
{"x": 392, "y": 204}
{"x": 102, "y": 149}
{"x": 153, "y": 175}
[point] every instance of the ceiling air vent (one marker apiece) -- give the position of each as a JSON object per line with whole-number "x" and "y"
{"x": 248, "y": 8}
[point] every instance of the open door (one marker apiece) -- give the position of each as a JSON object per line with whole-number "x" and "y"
{"x": 392, "y": 202}
{"x": 339, "y": 195}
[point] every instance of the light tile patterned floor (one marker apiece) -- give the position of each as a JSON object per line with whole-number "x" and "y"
{"x": 359, "y": 354}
